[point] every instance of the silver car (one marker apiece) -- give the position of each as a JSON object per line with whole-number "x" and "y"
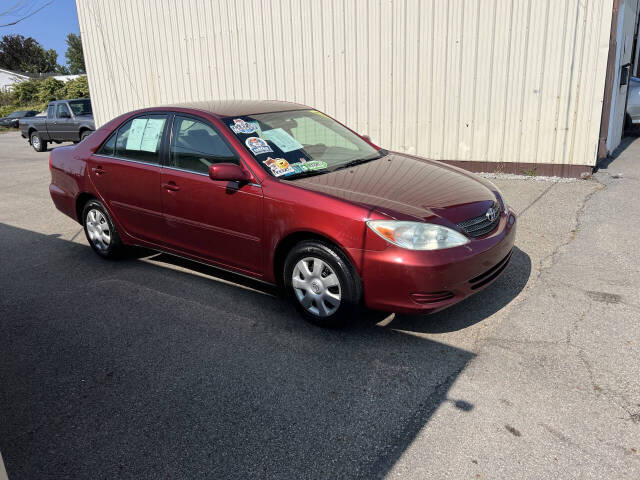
{"x": 633, "y": 103}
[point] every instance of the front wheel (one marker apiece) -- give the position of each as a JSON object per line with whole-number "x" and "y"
{"x": 37, "y": 143}
{"x": 322, "y": 284}
{"x": 100, "y": 231}
{"x": 85, "y": 134}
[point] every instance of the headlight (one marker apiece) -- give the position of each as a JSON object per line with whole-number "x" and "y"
{"x": 417, "y": 235}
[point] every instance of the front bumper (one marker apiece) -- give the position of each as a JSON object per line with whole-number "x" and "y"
{"x": 415, "y": 282}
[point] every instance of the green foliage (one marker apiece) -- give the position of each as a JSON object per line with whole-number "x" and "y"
{"x": 36, "y": 93}
{"x": 6, "y": 98}
{"x": 22, "y": 54}
{"x": 50, "y": 89}
{"x": 25, "y": 92}
{"x": 78, "y": 88}
{"x": 6, "y": 110}
{"x": 74, "y": 55}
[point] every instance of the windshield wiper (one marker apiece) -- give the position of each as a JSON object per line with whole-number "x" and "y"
{"x": 358, "y": 161}
{"x": 309, "y": 173}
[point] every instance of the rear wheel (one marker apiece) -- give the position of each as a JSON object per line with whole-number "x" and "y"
{"x": 85, "y": 134}
{"x": 322, "y": 284}
{"x": 37, "y": 143}
{"x": 100, "y": 231}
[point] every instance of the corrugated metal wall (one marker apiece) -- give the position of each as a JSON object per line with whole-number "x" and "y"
{"x": 482, "y": 80}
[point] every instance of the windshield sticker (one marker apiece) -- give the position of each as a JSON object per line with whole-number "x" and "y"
{"x": 240, "y": 126}
{"x": 282, "y": 140}
{"x": 279, "y": 166}
{"x": 257, "y": 145}
{"x": 309, "y": 165}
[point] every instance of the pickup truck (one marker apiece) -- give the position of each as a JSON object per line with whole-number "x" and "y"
{"x": 66, "y": 121}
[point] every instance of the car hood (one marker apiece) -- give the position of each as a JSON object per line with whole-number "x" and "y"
{"x": 404, "y": 186}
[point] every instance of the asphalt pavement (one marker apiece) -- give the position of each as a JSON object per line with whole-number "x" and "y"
{"x": 154, "y": 367}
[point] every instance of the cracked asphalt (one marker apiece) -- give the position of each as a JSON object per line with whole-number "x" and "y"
{"x": 152, "y": 367}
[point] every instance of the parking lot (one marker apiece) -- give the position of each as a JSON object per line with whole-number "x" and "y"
{"x": 156, "y": 367}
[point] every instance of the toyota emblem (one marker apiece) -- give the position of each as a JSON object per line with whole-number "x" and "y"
{"x": 491, "y": 214}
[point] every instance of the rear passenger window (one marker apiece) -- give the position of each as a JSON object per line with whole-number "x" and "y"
{"x": 196, "y": 146}
{"x": 62, "y": 108}
{"x": 139, "y": 138}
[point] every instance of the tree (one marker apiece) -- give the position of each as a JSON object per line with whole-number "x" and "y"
{"x": 26, "y": 55}
{"x": 50, "y": 89}
{"x": 74, "y": 55}
{"x": 77, "y": 88}
{"x": 25, "y": 92}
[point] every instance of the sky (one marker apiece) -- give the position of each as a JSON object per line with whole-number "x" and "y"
{"x": 49, "y": 26}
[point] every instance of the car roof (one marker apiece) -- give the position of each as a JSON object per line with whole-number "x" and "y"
{"x": 53, "y": 102}
{"x": 232, "y": 108}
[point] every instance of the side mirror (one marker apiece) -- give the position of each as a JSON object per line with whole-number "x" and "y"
{"x": 64, "y": 114}
{"x": 229, "y": 172}
{"x": 366, "y": 137}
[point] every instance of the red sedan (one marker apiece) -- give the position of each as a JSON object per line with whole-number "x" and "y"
{"x": 285, "y": 194}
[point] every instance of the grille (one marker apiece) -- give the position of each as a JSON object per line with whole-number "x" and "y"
{"x": 479, "y": 226}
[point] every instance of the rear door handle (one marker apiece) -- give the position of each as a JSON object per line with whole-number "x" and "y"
{"x": 171, "y": 186}
{"x": 99, "y": 170}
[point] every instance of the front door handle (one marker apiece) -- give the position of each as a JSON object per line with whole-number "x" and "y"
{"x": 171, "y": 186}
{"x": 99, "y": 170}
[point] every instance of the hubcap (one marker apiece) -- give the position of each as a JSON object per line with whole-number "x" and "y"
{"x": 316, "y": 286}
{"x": 35, "y": 141}
{"x": 98, "y": 229}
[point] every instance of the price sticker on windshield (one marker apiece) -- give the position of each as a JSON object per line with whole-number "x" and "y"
{"x": 282, "y": 140}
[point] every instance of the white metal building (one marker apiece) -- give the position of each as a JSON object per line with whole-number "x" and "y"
{"x": 509, "y": 85}
{"x": 9, "y": 78}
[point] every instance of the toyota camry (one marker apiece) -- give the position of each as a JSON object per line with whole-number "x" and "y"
{"x": 285, "y": 194}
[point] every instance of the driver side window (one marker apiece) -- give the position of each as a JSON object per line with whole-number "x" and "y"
{"x": 196, "y": 146}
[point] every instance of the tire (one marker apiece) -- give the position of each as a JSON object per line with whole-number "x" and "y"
{"x": 85, "y": 134}
{"x": 100, "y": 231}
{"x": 327, "y": 292}
{"x": 629, "y": 126}
{"x": 37, "y": 143}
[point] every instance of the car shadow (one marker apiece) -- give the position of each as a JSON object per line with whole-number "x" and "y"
{"x": 159, "y": 367}
{"x": 477, "y": 307}
{"x": 51, "y": 146}
{"x": 464, "y": 314}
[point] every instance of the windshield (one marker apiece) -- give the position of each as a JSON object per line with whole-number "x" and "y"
{"x": 80, "y": 107}
{"x": 300, "y": 143}
{"x": 17, "y": 114}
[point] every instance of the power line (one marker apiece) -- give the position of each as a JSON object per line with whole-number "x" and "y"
{"x": 26, "y": 16}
